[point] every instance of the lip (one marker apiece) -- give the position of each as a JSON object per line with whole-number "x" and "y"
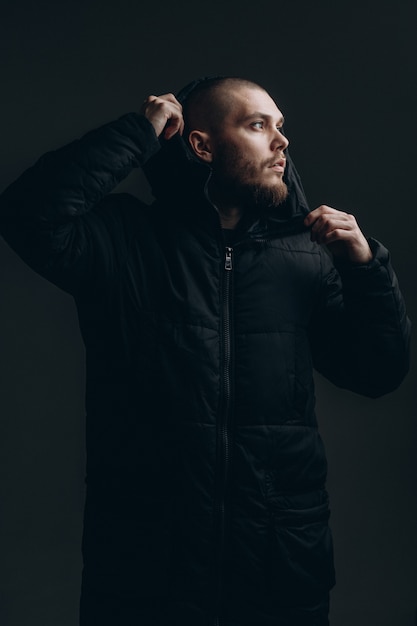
{"x": 278, "y": 166}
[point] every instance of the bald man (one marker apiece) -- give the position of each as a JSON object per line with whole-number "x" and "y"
{"x": 203, "y": 317}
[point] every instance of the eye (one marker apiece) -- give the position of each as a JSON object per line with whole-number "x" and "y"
{"x": 259, "y": 124}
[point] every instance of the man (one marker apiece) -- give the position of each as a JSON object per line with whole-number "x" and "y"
{"x": 203, "y": 317}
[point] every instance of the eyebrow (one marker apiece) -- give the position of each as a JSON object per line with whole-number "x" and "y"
{"x": 263, "y": 116}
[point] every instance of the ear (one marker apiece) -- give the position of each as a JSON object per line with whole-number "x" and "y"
{"x": 201, "y": 145}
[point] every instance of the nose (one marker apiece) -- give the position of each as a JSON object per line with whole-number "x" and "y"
{"x": 279, "y": 141}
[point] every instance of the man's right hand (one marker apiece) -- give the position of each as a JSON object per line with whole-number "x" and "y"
{"x": 164, "y": 112}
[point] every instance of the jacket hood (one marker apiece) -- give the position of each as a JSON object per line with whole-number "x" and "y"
{"x": 175, "y": 174}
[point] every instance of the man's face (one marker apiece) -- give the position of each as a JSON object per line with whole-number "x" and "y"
{"x": 248, "y": 151}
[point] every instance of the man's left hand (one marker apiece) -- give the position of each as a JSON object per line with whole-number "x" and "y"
{"x": 340, "y": 232}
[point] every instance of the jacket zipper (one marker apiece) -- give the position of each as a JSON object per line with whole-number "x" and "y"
{"x": 224, "y": 423}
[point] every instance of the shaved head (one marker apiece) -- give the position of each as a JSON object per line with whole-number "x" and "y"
{"x": 209, "y": 103}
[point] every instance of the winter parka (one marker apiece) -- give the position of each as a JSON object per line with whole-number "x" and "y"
{"x": 206, "y": 500}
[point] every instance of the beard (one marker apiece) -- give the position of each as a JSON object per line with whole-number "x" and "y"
{"x": 237, "y": 182}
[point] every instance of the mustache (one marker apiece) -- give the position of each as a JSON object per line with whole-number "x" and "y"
{"x": 277, "y": 160}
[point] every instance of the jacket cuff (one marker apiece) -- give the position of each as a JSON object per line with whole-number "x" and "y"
{"x": 140, "y": 129}
{"x": 379, "y": 270}
{"x": 380, "y": 256}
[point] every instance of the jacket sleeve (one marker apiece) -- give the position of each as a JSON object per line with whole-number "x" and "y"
{"x": 360, "y": 334}
{"x": 57, "y": 216}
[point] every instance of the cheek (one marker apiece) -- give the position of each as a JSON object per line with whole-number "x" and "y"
{"x": 253, "y": 168}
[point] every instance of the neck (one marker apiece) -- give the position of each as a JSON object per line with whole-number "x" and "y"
{"x": 229, "y": 218}
{"x": 229, "y": 212}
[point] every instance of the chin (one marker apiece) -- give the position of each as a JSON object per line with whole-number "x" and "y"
{"x": 270, "y": 196}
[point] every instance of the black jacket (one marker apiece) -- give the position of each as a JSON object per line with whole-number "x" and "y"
{"x": 205, "y": 473}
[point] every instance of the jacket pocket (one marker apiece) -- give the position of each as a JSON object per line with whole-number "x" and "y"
{"x": 300, "y": 556}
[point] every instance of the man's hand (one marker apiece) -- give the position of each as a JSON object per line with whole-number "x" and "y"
{"x": 164, "y": 112}
{"x": 340, "y": 232}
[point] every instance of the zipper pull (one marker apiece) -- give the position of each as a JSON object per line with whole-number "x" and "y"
{"x": 228, "y": 260}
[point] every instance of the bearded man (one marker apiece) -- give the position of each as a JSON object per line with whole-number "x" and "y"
{"x": 203, "y": 317}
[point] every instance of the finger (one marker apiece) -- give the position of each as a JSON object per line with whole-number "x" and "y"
{"x": 174, "y": 125}
{"x": 161, "y": 102}
{"x": 168, "y": 97}
{"x": 325, "y": 224}
{"x": 164, "y": 113}
{"x": 338, "y": 234}
{"x": 323, "y": 209}
{"x": 148, "y": 102}
{"x": 328, "y": 222}
{"x": 171, "y": 98}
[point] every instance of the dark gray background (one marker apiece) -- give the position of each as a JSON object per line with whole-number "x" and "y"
{"x": 344, "y": 76}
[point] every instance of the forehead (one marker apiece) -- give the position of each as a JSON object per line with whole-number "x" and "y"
{"x": 246, "y": 101}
